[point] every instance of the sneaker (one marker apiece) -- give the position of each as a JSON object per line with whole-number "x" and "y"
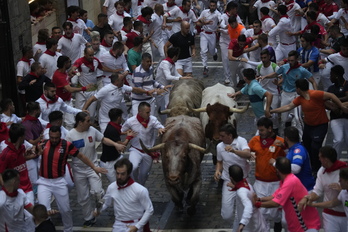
{"x": 215, "y": 57}
{"x": 205, "y": 71}
{"x": 90, "y": 223}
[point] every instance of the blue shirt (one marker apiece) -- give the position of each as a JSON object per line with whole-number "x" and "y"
{"x": 292, "y": 76}
{"x": 311, "y": 54}
{"x": 90, "y": 24}
{"x": 256, "y": 94}
{"x": 298, "y": 155}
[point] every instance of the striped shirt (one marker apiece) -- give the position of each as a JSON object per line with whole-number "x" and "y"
{"x": 54, "y": 158}
{"x": 145, "y": 80}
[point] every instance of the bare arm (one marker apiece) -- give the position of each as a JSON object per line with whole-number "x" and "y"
{"x": 283, "y": 108}
{"x": 166, "y": 46}
{"x": 218, "y": 170}
{"x": 269, "y": 98}
{"x": 89, "y": 163}
{"x": 89, "y": 102}
{"x": 109, "y": 142}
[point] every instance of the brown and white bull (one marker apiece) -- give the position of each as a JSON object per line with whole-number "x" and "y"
{"x": 219, "y": 110}
{"x": 185, "y": 96}
{"x": 182, "y": 152}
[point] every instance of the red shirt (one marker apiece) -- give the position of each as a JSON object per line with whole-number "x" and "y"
{"x": 237, "y": 50}
{"x": 54, "y": 158}
{"x": 329, "y": 9}
{"x": 130, "y": 38}
{"x": 11, "y": 158}
{"x": 60, "y": 80}
{"x": 308, "y": 28}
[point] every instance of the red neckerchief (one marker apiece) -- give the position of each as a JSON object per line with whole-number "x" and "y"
{"x": 43, "y": 97}
{"x": 264, "y": 1}
{"x": 125, "y": 30}
{"x": 129, "y": 183}
{"x": 343, "y": 55}
{"x": 89, "y": 64}
{"x": 295, "y": 67}
{"x": 260, "y": 32}
{"x": 116, "y": 57}
{"x": 43, "y": 43}
{"x": 241, "y": 184}
{"x": 127, "y": 10}
{"x": 48, "y": 52}
{"x": 120, "y": 14}
{"x": 335, "y": 166}
{"x": 14, "y": 194}
{"x": 184, "y": 11}
{"x": 267, "y": 142}
{"x": 72, "y": 20}
{"x": 25, "y": 60}
{"x": 116, "y": 126}
{"x": 3, "y": 131}
{"x": 49, "y": 125}
{"x": 139, "y": 2}
{"x": 30, "y": 118}
{"x": 284, "y": 16}
{"x": 169, "y": 60}
{"x": 290, "y": 2}
{"x": 170, "y": 5}
{"x": 69, "y": 37}
{"x": 265, "y": 17}
{"x": 33, "y": 74}
{"x": 143, "y": 121}
{"x": 143, "y": 19}
{"x": 105, "y": 44}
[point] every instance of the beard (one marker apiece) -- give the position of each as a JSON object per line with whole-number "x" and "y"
{"x": 122, "y": 182}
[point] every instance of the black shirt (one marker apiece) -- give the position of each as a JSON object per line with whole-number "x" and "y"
{"x": 109, "y": 152}
{"x": 45, "y": 226}
{"x": 102, "y": 30}
{"x": 33, "y": 91}
{"x": 182, "y": 42}
{"x": 339, "y": 91}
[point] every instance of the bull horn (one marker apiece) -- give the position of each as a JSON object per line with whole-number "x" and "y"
{"x": 199, "y": 110}
{"x": 166, "y": 111}
{"x": 236, "y": 110}
{"x": 198, "y": 148}
{"x": 148, "y": 150}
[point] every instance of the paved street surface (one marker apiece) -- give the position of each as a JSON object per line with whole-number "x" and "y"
{"x": 166, "y": 217}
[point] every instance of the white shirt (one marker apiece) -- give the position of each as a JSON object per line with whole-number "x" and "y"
{"x": 248, "y": 215}
{"x": 114, "y": 63}
{"x": 59, "y": 105}
{"x": 78, "y": 26}
{"x": 336, "y": 59}
{"x": 322, "y": 20}
{"x": 342, "y": 13}
{"x": 50, "y": 63}
{"x": 110, "y": 97}
{"x": 87, "y": 75}
{"x": 166, "y": 73}
{"x": 23, "y": 68}
{"x": 215, "y": 17}
{"x": 63, "y": 132}
{"x": 37, "y": 46}
{"x": 12, "y": 212}
{"x": 71, "y": 47}
{"x": 283, "y": 26}
{"x": 110, "y": 4}
{"x": 116, "y": 21}
{"x": 147, "y": 135}
{"x": 85, "y": 142}
{"x": 13, "y": 118}
{"x": 268, "y": 84}
{"x": 254, "y": 55}
{"x": 343, "y": 197}
{"x": 322, "y": 183}
{"x": 156, "y": 27}
{"x": 294, "y": 17}
{"x": 177, "y": 12}
{"x": 259, "y": 4}
{"x": 267, "y": 24}
{"x": 130, "y": 203}
{"x": 229, "y": 158}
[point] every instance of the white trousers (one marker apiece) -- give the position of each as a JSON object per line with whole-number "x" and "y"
{"x": 158, "y": 53}
{"x": 237, "y": 68}
{"x": 142, "y": 163}
{"x": 339, "y": 129}
{"x": 184, "y": 64}
{"x": 334, "y": 223}
{"x": 227, "y": 202}
{"x": 111, "y": 175}
{"x": 123, "y": 227}
{"x": 69, "y": 119}
{"x": 33, "y": 171}
{"x": 208, "y": 44}
{"x": 224, "y": 59}
{"x": 80, "y": 100}
{"x": 59, "y": 189}
{"x": 87, "y": 183}
{"x": 162, "y": 103}
{"x": 287, "y": 98}
{"x": 282, "y": 51}
{"x": 265, "y": 189}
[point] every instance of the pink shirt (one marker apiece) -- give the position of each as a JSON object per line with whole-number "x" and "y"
{"x": 292, "y": 187}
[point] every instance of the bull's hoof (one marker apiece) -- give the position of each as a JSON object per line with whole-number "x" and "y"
{"x": 191, "y": 210}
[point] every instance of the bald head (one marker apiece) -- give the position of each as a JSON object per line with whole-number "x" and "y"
{"x": 89, "y": 53}
{"x": 185, "y": 28}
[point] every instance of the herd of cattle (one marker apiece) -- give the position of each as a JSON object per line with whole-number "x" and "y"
{"x": 183, "y": 145}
